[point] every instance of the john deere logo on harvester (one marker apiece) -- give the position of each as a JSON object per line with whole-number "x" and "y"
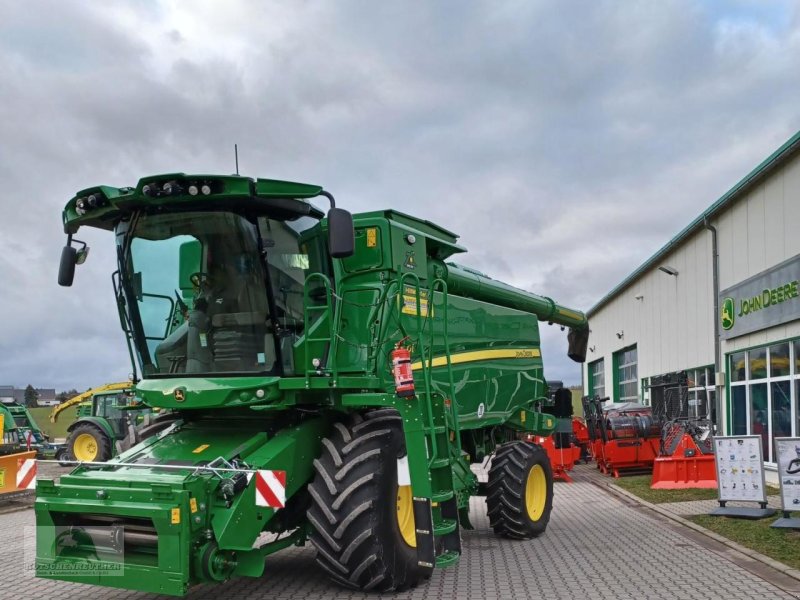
{"x": 727, "y": 313}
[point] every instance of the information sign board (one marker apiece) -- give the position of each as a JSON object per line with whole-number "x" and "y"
{"x": 788, "y": 452}
{"x": 740, "y": 468}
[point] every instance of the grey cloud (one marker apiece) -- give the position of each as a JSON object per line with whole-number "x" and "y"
{"x": 564, "y": 142}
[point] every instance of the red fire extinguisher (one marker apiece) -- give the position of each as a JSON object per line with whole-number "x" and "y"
{"x": 401, "y": 367}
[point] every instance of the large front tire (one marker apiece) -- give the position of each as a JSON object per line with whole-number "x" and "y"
{"x": 520, "y": 491}
{"x": 89, "y": 444}
{"x": 358, "y": 513}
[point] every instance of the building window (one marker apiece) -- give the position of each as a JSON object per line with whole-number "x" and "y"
{"x": 764, "y": 390}
{"x": 626, "y": 376}
{"x": 702, "y": 393}
{"x": 597, "y": 378}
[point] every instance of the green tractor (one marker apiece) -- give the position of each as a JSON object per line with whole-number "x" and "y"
{"x": 109, "y": 421}
{"x": 330, "y": 379}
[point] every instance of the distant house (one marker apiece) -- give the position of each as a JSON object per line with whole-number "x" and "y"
{"x": 7, "y": 393}
{"x": 46, "y": 396}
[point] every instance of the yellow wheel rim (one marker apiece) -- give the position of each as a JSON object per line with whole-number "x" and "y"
{"x": 85, "y": 447}
{"x": 536, "y": 493}
{"x": 405, "y": 515}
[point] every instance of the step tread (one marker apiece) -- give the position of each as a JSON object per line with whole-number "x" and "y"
{"x": 447, "y": 559}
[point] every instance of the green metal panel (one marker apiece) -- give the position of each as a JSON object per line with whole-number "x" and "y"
{"x": 206, "y": 392}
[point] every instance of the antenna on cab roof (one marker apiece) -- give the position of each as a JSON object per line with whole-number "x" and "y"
{"x": 236, "y": 156}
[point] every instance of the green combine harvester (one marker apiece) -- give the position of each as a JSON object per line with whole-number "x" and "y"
{"x": 327, "y": 378}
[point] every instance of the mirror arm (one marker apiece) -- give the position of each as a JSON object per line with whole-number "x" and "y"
{"x": 329, "y": 196}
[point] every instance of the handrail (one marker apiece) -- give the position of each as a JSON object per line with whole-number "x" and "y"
{"x": 328, "y": 311}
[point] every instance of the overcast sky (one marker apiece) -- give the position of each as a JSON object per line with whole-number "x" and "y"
{"x": 564, "y": 141}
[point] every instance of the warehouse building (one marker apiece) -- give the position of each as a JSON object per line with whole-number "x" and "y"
{"x": 721, "y": 302}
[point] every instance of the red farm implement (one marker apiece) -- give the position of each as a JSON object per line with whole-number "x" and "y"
{"x": 686, "y": 458}
{"x": 624, "y": 437}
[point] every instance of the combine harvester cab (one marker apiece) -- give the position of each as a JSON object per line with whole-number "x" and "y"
{"x": 324, "y": 378}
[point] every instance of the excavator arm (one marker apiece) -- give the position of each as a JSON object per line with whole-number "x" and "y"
{"x": 109, "y": 387}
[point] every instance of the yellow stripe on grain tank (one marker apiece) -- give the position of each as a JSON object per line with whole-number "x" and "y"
{"x": 477, "y": 355}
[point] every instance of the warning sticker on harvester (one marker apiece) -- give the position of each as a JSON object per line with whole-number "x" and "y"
{"x": 271, "y": 489}
{"x": 410, "y": 301}
{"x": 26, "y": 474}
{"x": 2, "y": 479}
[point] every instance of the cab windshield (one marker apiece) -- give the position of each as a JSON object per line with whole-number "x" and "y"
{"x": 213, "y": 292}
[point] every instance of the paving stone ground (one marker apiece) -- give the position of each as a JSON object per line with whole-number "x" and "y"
{"x": 703, "y": 507}
{"x": 597, "y": 546}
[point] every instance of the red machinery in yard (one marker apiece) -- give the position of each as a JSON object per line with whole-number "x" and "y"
{"x": 562, "y": 460}
{"x": 580, "y": 437}
{"x": 561, "y": 446}
{"x": 687, "y": 459}
{"x": 686, "y": 456}
{"x": 624, "y": 437}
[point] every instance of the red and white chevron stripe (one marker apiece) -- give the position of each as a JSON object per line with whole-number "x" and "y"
{"x": 26, "y": 473}
{"x": 271, "y": 489}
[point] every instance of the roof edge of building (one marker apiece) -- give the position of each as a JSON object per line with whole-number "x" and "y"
{"x": 765, "y": 167}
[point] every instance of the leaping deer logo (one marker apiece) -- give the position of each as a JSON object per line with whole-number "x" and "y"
{"x": 727, "y": 313}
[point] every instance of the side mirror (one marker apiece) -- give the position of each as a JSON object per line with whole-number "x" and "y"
{"x": 66, "y": 269}
{"x": 83, "y": 254}
{"x": 578, "y": 341}
{"x": 341, "y": 237}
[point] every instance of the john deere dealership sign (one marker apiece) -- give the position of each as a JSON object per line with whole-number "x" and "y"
{"x": 770, "y": 298}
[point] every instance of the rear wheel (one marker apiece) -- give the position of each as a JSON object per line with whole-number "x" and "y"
{"x": 362, "y": 520}
{"x": 520, "y": 491}
{"x": 89, "y": 443}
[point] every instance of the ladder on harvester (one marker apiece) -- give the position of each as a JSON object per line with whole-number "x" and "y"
{"x": 326, "y": 322}
{"x": 436, "y": 513}
{"x": 435, "y": 509}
